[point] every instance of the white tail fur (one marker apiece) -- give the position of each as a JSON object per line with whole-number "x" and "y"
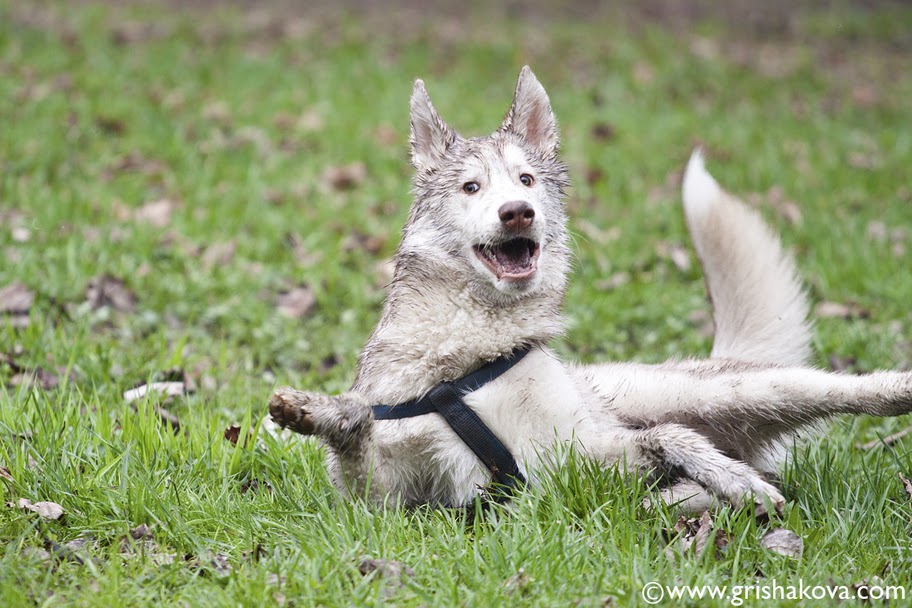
{"x": 760, "y": 309}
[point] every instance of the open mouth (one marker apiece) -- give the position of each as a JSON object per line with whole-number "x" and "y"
{"x": 513, "y": 260}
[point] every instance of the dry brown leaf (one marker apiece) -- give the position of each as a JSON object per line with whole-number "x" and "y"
{"x": 36, "y": 377}
{"x": 618, "y": 279}
{"x": 358, "y": 241}
{"x": 218, "y": 254}
{"x": 838, "y": 363}
{"x": 217, "y": 111}
{"x": 47, "y": 510}
{"x": 387, "y": 569}
{"x": 519, "y": 582}
{"x": 141, "y": 532}
{"x": 598, "y": 235}
{"x": 783, "y": 541}
{"x": 907, "y": 485}
{"x": 310, "y": 120}
{"x": 877, "y": 231}
{"x": 255, "y": 485}
{"x": 694, "y": 533}
{"x": 21, "y": 234}
{"x": 133, "y": 162}
{"x": 5, "y": 473}
{"x": 16, "y": 298}
{"x": 386, "y": 136}
{"x": 233, "y": 434}
{"x": 157, "y": 213}
{"x": 345, "y": 177}
{"x": 109, "y": 291}
{"x": 677, "y": 253}
{"x": 15, "y": 303}
{"x": 296, "y": 303}
{"x": 835, "y": 310}
{"x": 275, "y": 579}
{"x": 602, "y": 131}
{"x": 643, "y": 73}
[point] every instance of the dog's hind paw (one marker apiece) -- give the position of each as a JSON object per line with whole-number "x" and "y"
{"x": 288, "y": 409}
{"x": 767, "y": 495}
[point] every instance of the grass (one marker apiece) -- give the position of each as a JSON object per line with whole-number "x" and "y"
{"x": 236, "y": 120}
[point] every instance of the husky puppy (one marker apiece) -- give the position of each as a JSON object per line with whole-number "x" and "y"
{"x": 481, "y": 271}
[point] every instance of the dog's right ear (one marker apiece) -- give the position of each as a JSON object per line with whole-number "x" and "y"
{"x": 430, "y": 137}
{"x": 531, "y": 117}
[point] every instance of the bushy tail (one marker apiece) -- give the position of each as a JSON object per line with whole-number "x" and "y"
{"x": 760, "y": 308}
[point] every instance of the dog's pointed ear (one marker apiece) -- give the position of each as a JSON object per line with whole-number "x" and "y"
{"x": 430, "y": 137}
{"x": 530, "y": 115}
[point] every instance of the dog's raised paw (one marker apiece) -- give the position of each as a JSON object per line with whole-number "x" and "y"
{"x": 288, "y": 408}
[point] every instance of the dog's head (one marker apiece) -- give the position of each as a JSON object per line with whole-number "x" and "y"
{"x": 490, "y": 208}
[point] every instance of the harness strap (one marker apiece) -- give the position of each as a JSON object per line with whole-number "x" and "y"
{"x": 446, "y": 399}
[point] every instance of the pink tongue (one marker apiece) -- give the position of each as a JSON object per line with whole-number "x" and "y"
{"x": 513, "y": 259}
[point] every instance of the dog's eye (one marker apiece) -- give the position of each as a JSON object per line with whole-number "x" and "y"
{"x": 471, "y": 187}
{"x": 526, "y": 180}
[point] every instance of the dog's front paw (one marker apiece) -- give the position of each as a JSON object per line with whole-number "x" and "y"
{"x": 290, "y": 409}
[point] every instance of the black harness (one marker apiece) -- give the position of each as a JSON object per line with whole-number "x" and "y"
{"x": 446, "y": 400}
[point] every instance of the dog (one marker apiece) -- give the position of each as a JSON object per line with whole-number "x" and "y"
{"x": 480, "y": 275}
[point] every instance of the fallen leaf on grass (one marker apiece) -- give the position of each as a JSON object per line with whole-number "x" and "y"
{"x": 675, "y": 252}
{"x": 296, "y": 303}
{"x": 108, "y": 291}
{"x": 838, "y": 363}
{"x": 602, "y": 131}
{"x": 21, "y": 234}
{"x": 141, "y": 532}
{"x": 218, "y": 254}
{"x": 275, "y": 579}
{"x": 157, "y": 213}
{"x": 615, "y": 281}
{"x": 15, "y": 303}
{"x": 385, "y": 135}
{"x": 62, "y": 553}
{"x": 5, "y": 473}
{"x": 907, "y": 485}
{"x": 110, "y": 125}
{"x": 345, "y": 177}
{"x": 30, "y": 377}
{"x": 233, "y": 434}
{"x": 387, "y": 569}
{"x": 47, "y": 510}
{"x": 359, "y": 241}
{"x": 134, "y": 162}
{"x": 783, "y": 541}
{"x": 835, "y": 310}
{"x": 254, "y": 485}
{"x": 693, "y": 533}
{"x": 519, "y": 582}
{"x": 215, "y": 563}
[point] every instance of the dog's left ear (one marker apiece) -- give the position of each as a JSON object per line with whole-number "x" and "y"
{"x": 531, "y": 117}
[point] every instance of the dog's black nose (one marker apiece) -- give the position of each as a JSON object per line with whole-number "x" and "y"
{"x": 516, "y": 215}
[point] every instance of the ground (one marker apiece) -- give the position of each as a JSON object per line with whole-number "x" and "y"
{"x": 207, "y": 195}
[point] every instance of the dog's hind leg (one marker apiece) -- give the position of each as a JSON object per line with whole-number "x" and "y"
{"x": 687, "y": 496}
{"x": 759, "y": 306}
{"x": 676, "y": 450}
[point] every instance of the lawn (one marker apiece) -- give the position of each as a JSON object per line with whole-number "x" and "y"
{"x": 209, "y": 197}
